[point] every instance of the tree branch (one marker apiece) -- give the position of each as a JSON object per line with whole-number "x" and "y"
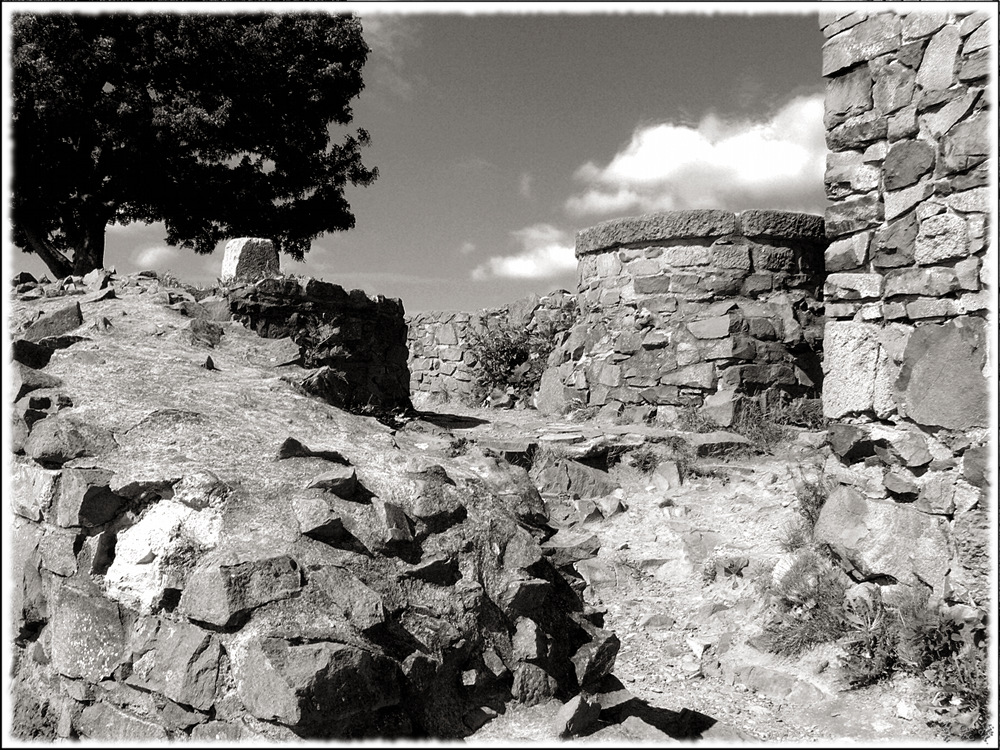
{"x": 58, "y": 263}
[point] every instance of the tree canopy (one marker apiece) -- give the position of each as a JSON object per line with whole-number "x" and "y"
{"x": 217, "y": 125}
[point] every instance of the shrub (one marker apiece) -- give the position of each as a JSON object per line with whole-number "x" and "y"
{"x": 644, "y": 459}
{"x": 754, "y": 422}
{"x": 811, "y": 492}
{"x": 510, "y": 359}
{"x": 692, "y": 419}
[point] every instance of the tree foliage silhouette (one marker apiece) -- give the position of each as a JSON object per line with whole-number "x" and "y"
{"x": 217, "y": 125}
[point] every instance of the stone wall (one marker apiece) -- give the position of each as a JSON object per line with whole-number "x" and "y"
{"x": 442, "y": 359}
{"x": 356, "y": 343}
{"x": 906, "y": 296}
{"x": 692, "y": 308}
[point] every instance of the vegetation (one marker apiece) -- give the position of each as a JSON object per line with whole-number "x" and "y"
{"x": 217, "y": 125}
{"x": 509, "y": 359}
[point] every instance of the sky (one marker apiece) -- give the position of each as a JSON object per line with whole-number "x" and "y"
{"x": 499, "y": 135}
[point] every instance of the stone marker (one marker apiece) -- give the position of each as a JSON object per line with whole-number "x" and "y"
{"x": 249, "y": 259}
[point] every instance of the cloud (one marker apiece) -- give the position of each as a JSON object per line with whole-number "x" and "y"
{"x": 390, "y": 37}
{"x": 547, "y": 252}
{"x": 775, "y": 163}
{"x": 467, "y": 248}
{"x": 526, "y": 186}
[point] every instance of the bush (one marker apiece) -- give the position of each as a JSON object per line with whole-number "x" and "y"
{"x": 509, "y": 359}
{"x": 644, "y": 459}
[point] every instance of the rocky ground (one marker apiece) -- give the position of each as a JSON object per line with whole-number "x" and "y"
{"x": 675, "y": 558}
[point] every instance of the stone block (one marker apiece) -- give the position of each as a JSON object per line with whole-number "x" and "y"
{"x": 33, "y": 490}
{"x": 222, "y": 587}
{"x": 943, "y": 120}
{"x": 941, "y": 381}
{"x": 893, "y": 88}
{"x": 85, "y": 498}
{"x": 654, "y": 228}
{"x": 874, "y": 36}
{"x": 88, "y": 640}
{"x": 183, "y": 665}
{"x": 966, "y": 144}
{"x": 939, "y": 238}
{"x": 907, "y": 162}
{"x": 700, "y": 375}
{"x": 652, "y": 284}
{"x": 899, "y": 202}
{"x": 858, "y": 131}
{"x": 937, "y": 69}
{"x": 847, "y": 95}
{"x": 851, "y": 286}
{"x": 854, "y": 368}
{"x": 103, "y": 722}
{"x": 848, "y": 253}
{"x": 902, "y": 123}
{"x": 967, "y": 201}
{"x": 731, "y": 256}
{"x": 850, "y": 216}
{"x": 685, "y": 255}
{"x": 249, "y": 259}
{"x": 711, "y": 328}
{"x": 925, "y": 282}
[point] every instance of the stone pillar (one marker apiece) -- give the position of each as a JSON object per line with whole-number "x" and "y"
{"x": 249, "y": 259}
{"x": 906, "y": 344}
{"x": 692, "y": 309}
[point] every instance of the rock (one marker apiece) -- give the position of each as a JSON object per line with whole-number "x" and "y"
{"x": 707, "y": 443}
{"x": 220, "y": 588}
{"x": 576, "y": 716}
{"x": 199, "y": 489}
{"x": 439, "y": 569}
{"x": 656, "y": 226}
{"x": 856, "y": 370}
{"x": 631, "y": 730}
{"x": 532, "y": 684}
{"x": 60, "y": 438}
{"x": 249, "y": 259}
{"x": 154, "y": 556}
{"x": 28, "y": 602}
{"x": 205, "y": 333}
{"x": 56, "y": 323}
{"x": 33, "y": 490}
{"x": 313, "y": 685}
{"x": 396, "y": 525}
{"x": 292, "y": 448}
{"x": 941, "y": 237}
{"x": 937, "y": 70}
{"x": 317, "y": 519}
{"x": 101, "y": 721}
{"x": 941, "y": 380}
{"x": 522, "y": 595}
{"x": 567, "y": 547}
{"x": 556, "y": 475}
{"x": 872, "y": 37}
{"x": 183, "y": 665}
{"x": 595, "y": 659}
{"x": 25, "y": 379}
{"x": 906, "y": 162}
{"x": 341, "y": 481}
{"x": 926, "y": 282}
{"x": 551, "y": 398}
{"x": 975, "y": 463}
{"x": 87, "y": 637}
{"x": 29, "y": 354}
{"x": 85, "y": 498}
{"x": 528, "y": 642}
{"x": 884, "y": 538}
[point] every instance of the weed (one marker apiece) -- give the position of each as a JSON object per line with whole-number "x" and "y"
{"x": 457, "y": 447}
{"x": 692, "y": 419}
{"x": 870, "y": 651}
{"x": 803, "y": 412}
{"x": 796, "y": 535}
{"x": 580, "y": 411}
{"x": 644, "y": 459}
{"x": 811, "y": 491}
{"x": 807, "y": 604}
{"x": 754, "y": 422}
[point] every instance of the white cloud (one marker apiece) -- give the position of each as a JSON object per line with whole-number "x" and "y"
{"x": 526, "y": 186}
{"x": 467, "y": 248}
{"x": 547, "y": 252}
{"x": 152, "y": 258}
{"x": 390, "y": 38}
{"x": 776, "y": 163}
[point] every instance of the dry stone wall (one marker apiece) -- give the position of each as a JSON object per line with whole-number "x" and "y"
{"x": 442, "y": 361}
{"x": 907, "y": 118}
{"x": 692, "y": 308}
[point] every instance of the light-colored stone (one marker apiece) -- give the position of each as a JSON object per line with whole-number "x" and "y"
{"x": 874, "y": 36}
{"x": 850, "y": 286}
{"x": 249, "y": 259}
{"x": 927, "y": 282}
{"x": 899, "y": 202}
{"x": 848, "y": 253}
{"x": 851, "y": 366}
{"x": 33, "y": 489}
{"x": 893, "y": 87}
{"x": 937, "y": 69}
{"x": 941, "y": 237}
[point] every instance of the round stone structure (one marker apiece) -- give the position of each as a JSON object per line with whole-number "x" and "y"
{"x": 692, "y": 309}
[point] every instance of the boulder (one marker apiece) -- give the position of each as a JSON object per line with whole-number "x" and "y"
{"x": 88, "y": 640}
{"x": 26, "y": 379}
{"x": 30, "y": 354}
{"x": 33, "y": 489}
{"x": 103, "y": 722}
{"x": 557, "y": 475}
{"x": 60, "y": 438}
{"x": 85, "y": 498}
{"x": 55, "y": 323}
{"x": 341, "y": 481}
{"x": 595, "y": 659}
{"x": 182, "y": 665}
{"x": 576, "y": 716}
{"x": 881, "y": 538}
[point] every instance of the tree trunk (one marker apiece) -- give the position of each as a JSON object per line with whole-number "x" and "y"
{"x": 88, "y": 249}
{"x": 58, "y": 264}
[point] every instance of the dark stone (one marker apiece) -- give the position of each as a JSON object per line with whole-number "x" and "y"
{"x": 219, "y": 590}
{"x": 60, "y": 438}
{"x": 30, "y": 354}
{"x": 906, "y": 162}
{"x": 655, "y": 227}
{"x": 594, "y": 660}
{"x": 941, "y": 380}
{"x": 205, "y": 333}
{"x": 26, "y": 379}
{"x": 974, "y": 466}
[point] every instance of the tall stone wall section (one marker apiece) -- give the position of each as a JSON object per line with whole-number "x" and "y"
{"x": 442, "y": 357}
{"x": 906, "y": 356}
{"x": 692, "y": 309}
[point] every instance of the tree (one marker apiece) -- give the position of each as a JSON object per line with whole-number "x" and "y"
{"x": 218, "y": 125}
